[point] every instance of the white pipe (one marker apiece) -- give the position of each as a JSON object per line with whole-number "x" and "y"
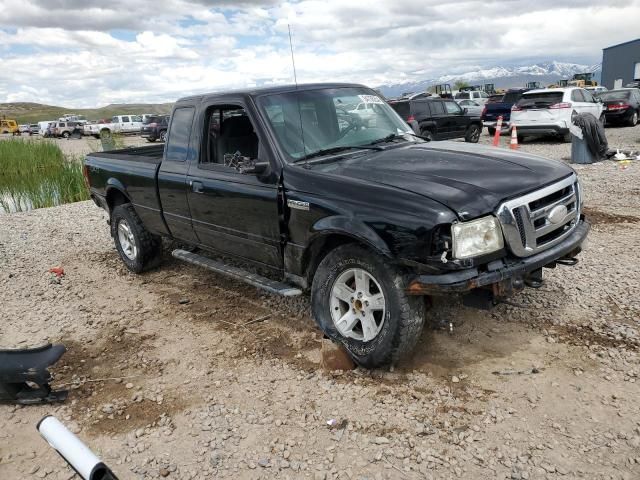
{"x": 71, "y": 448}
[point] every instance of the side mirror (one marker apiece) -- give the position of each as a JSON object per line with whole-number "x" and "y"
{"x": 465, "y": 110}
{"x": 257, "y": 168}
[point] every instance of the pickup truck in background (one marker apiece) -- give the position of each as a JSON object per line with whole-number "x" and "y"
{"x": 123, "y": 124}
{"x": 367, "y": 216}
{"x": 493, "y": 110}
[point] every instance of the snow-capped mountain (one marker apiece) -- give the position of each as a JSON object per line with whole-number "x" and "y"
{"x": 500, "y": 76}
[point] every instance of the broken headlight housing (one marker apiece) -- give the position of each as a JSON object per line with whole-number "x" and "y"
{"x": 477, "y": 237}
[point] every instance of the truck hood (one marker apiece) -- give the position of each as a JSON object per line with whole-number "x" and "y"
{"x": 470, "y": 179}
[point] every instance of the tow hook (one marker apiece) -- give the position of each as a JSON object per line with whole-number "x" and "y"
{"x": 567, "y": 262}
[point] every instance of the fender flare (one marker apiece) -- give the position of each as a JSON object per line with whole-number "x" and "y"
{"x": 349, "y": 227}
{"x": 115, "y": 184}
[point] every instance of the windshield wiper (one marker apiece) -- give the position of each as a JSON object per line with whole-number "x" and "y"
{"x": 396, "y": 136}
{"x": 329, "y": 151}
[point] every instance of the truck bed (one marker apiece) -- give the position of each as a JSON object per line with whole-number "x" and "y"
{"x": 147, "y": 154}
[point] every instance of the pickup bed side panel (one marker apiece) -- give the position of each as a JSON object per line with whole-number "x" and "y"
{"x": 135, "y": 179}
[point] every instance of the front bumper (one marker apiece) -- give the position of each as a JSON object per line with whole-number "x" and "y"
{"x": 511, "y": 271}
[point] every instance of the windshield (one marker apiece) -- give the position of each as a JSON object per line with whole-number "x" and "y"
{"x": 614, "y": 96}
{"x": 309, "y": 121}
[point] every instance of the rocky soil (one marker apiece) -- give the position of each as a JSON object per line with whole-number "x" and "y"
{"x": 183, "y": 374}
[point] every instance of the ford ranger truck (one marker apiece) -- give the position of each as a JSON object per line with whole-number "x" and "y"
{"x": 368, "y": 218}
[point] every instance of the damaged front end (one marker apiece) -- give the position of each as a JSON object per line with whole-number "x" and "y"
{"x": 499, "y": 279}
{"x": 24, "y": 378}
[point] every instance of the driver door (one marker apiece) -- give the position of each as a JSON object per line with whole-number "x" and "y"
{"x": 232, "y": 212}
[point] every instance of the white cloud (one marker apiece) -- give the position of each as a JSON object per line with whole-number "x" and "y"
{"x": 65, "y": 52}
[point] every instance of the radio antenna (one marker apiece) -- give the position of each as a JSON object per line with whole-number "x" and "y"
{"x": 295, "y": 79}
{"x": 293, "y": 60}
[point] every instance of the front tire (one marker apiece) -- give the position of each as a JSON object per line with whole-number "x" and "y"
{"x": 151, "y": 139}
{"x": 428, "y": 135}
{"x": 491, "y": 130}
{"x": 359, "y": 301}
{"x": 163, "y": 136}
{"x": 138, "y": 248}
{"x": 473, "y": 133}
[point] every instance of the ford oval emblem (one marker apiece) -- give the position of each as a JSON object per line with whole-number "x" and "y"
{"x": 557, "y": 214}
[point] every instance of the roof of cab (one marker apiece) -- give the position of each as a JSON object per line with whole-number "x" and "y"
{"x": 257, "y": 91}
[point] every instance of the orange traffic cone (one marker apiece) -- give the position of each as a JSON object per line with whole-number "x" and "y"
{"x": 514, "y": 138}
{"x": 496, "y": 136}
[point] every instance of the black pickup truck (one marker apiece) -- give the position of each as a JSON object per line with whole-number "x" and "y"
{"x": 368, "y": 216}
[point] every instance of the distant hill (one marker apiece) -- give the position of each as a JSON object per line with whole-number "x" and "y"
{"x": 26, "y": 112}
{"x": 501, "y": 76}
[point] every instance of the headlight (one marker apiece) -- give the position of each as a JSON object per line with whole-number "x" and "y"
{"x": 477, "y": 237}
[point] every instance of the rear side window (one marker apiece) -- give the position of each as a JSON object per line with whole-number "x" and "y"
{"x": 512, "y": 97}
{"x": 576, "y": 96}
{"x": 402, "y": 108}
{"x": 462, "y": 95}
{"x": 437, "y": 108}
{"x": 540, "y": 99}
{"x": 420, "y": 108}
{"x": 125, "y": 119}
{"x": 179, "y": 132}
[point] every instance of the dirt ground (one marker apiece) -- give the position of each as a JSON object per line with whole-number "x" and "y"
{"x": 181, "y": 373}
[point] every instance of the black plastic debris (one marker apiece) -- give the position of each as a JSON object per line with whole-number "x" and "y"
{"x": 24, "y": 378}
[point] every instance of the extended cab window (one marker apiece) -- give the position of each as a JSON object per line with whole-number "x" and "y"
{"x": 178, "y": 141}
{"x": 125, "y": 119}
{"x": 230, "y": 135}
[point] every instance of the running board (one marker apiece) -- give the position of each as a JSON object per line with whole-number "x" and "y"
{"x": 257, "y": 281}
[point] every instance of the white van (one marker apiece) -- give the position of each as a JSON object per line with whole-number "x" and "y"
{"x": 43, "y": 126}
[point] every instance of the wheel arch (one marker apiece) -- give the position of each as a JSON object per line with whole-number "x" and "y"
{"x": 116, "y": 194}
{"x": 330, "y": 233}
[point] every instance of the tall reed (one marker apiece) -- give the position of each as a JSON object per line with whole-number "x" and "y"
{"x": 36, "y": 174}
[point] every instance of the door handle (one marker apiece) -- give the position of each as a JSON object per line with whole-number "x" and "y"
{"x": 197, "y": 187}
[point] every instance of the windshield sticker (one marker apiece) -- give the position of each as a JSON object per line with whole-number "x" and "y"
{"x": 371, "y": 99}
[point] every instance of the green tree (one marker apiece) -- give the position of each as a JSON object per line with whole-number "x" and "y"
{"x": 460, "y": 84}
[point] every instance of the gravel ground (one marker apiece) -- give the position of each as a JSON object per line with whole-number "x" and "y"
{"x": 167, "y": 382}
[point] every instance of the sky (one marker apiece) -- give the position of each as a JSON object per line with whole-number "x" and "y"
{"x": 87, "y": 53}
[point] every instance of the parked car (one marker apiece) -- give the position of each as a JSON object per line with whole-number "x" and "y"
{"x": 66, "y": 129}
{"x": 549, "y": 111}
{"x": 8, "y": 125}
{"x": 368, "y": 218}
{"x": 124, "y": 124}
{"x": 597, "y": 90}
{"x": 476, "y": 95}
{"x": 473, "y": 107}
{"x": 493, "y": 110}
{"x": 621, "y": 106}
{"x": 43, "y": 126}
{"x": 439, "y": 119}
{"x": 34, "y": 129}
{"x": 24, "y": 128}
{"x": 154, "y": 127}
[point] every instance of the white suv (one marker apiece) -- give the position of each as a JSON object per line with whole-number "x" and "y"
{"x": 549, "y": 111}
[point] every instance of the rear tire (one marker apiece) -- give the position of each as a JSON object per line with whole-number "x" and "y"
{"x": 633, "y": 121}
{"x": 396, "y": 325}
{"x": 566, "y": 138}
{"x": 66, "y": 134}
{"x": 139, "y": 249}
{"x": 473, "y": 133}
{"x": 491, "y": 130}
{"x": 427, "y": 135}
{"x": 163, "y": 136}
{"x": 151, "y": 139}
{"x": 603, "y": 120}
{"x": 105, "y": 133}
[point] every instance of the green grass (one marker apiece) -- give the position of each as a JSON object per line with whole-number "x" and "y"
{"x": 37, "y": 175}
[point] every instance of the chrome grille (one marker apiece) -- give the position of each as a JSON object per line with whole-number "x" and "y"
{"x": 537, "y": 221}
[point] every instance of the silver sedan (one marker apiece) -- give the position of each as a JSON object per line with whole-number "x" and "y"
{"x": 473, "y": 108}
